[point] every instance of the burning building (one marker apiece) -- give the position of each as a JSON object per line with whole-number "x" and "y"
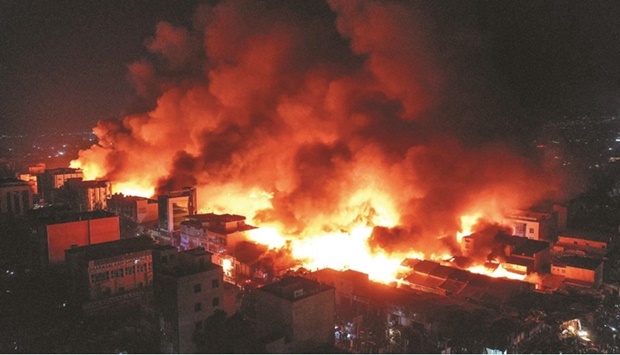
{"x": 321, "y": 129}
{"x": 135, "y": 208}
{"x": 174, "y": 207}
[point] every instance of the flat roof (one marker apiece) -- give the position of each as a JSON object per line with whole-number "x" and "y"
{"x": 212, "y": 217}
{"x": 114, "y": 248}
{"x": 529, "y": 247}
{"x": 425, "y": 266}
{"x": 587, "y": 235}
{"x": 294, "y": 288}
{"x": 581, "y": 262}
{"x": 6, "y": 182}
{"x": 71, "y": 216}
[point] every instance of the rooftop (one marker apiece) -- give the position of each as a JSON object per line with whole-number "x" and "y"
{"x": 528, "y": 215}
{"x": 529, "y": 247}
{"x": 6, "y": 182}
{"x": 587, "y": 235}
{"x": 113, "y": 248}
{"x": 59, "y": 171}
{"x": 78, "y": 182}
{"x": 50, "y": 217}
{"x": 294, "y": 288}
{"x": 579, "y": 262}
{"x": 212, "y": 217}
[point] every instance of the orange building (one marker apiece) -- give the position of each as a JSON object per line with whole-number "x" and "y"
{"x": 579, "y": 270}
{"x": 61, "y": 232}
{"x": 110, "y": 272}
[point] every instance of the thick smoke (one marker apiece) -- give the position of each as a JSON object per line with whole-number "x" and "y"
{"x": 328, "y": 115}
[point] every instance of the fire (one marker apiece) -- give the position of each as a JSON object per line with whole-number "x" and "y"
{"x": 467, "y": 224}
{"x": 497, "y": 272}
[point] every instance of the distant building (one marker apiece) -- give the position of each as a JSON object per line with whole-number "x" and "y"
{"x": 583, "y": 271}
{"x": 59, "y": 232}
{"x": 134, "y": 208}
{"x": 110, "y": 274}
{"x": 299, "y": 310}
{"x": 87, "y": 195}
{"x": 15, "y": 197}
{"x": 583, "y": 243}
{"x": 53, "y": 179}
{"x": 188, "y": 288}
{"x": 35, "y": 169}
{"x": 32, "y": 180}
{"x": 533, "y": 225}
{"x": 175, "y": 206}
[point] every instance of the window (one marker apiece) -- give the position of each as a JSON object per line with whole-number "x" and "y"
{"x": 531, "y": 230}
{"x": 100, "y": 276}
{"x": 215, "y": 302}
{"x": 141, "y": 268}
{"x": 130, "y": 270}
{"x": 198, "y": 307}
{"x": 117, "y": 273}
{"x": 197, "y": 288}
{"x": 215, "y": 283}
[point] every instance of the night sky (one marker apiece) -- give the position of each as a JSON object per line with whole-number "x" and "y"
{"x": 63, "y": 64}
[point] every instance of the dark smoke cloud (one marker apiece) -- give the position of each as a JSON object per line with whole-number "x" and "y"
{"x": 330, "y": 108}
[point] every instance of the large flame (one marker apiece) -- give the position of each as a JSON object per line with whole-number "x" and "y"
{"x": 320, "y": 126}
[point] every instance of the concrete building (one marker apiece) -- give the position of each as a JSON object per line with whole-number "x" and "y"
{"x": 59, "y": 232}
{"x": 32, "y": 180}
{"x": 134, "y": 208}
{"x": 583, "y": 243}
{"x": 222, "y": 235}
{"x": 87, "y": 195}
{"x": 53, "y": 179}
{"x": 525, "y": 256}
{"x": 297, "y": 310}
{"x": 15, "y": 197}
{"x": 110, "y": 274}
{"x": 188, "y": 289}
{"x": 583, "y": 271}
{"x": 533, "y": 225}
{"x": 174, "y": 207}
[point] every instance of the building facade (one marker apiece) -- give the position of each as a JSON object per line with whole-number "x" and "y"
{"x": 56, "y": 234}
{"x": 134, "y": 208}
{"x": 174, "y": 207}
{"x": 88, "y": 195}
{"x": 188, "y": 289}
{"x": 299, "y": 310}
{"x": 101, "y": 273}
{"x": 15, "y": 197}
{"x": 53, "y": 179}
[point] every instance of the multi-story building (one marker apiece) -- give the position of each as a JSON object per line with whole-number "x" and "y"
{"x": 110, "y": 274}
{"x": 87, "y": 195}
{"x": 58, "y": 232}
{"x": 299, "y": 310}
{"x": 525, "y": 256}
{"x": 533, "y": 225}
{"x": 579, "y": 270}
{"x": 134, "y": 208}
{"x": 188, "y": 289}
{"x": 174, "y": 207}
{"x": 15, "y": 197}
{"x": 32, "y": 180}
{"x": 222, "y": 235}
{"x": 53, "y": 179}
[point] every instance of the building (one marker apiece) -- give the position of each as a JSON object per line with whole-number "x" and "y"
{"x": 214, "y": 232}
{"x": 110, "y": 274}
{"x": 174, "y": 207}
{"x": 533, "y": 225}
{"x": 299, "y": 310}
{"x": 583, "y": 271}
{"x": 525, "y": 256}
{"x": 87, "y": 195}
{"x": 188, "y": 289}
{"x": 583, "y": 243}
{"x": 135, "y": 208}
{"x": 58, "y": 232}
{"x": 223, "y": 235}
{"x": 15, "y": 197}
{"x": 32, "y": 180}
{"x": 53, "y": 179}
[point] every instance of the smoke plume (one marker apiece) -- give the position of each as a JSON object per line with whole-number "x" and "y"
{"x": 318, "y": 117}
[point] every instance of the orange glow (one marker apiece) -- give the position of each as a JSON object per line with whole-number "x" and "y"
{"x": 498, "y": 273}
{"x": 467, "y": 224}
